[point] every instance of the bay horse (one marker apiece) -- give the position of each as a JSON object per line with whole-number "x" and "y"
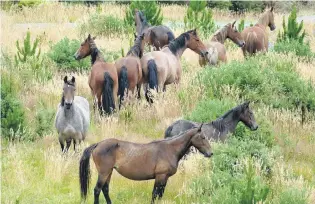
{"x": 216, "y": 49}
{"x": 73, "y": 116}
{"x": 256, "y": 37}
{"x": 157, "y": 36}
{"x": 129, "y": 69}
{"x": 219, "y": 129}
{"x": 155, "y": 160}
{"x": 163, "y": 67}
{"x": 103, "y": 79}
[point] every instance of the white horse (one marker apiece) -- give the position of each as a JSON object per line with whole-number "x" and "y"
{"x": 73, "y": 116}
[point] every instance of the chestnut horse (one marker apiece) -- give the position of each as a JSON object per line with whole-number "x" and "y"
{"x": 155, "y": 160}
{"x": 216, "y": 49}
{"x": 129, "y": 69}
{"x": 161, "y": 68}
{"x": 256, "y": 37}
{"x": 157, "y": 36}
{"x": 103, "y": 79}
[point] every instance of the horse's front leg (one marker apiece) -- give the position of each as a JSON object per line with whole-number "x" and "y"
{"x": 62, "y": 142}
{"x": 159, "y": 186}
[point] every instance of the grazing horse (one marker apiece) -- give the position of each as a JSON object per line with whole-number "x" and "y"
{"x": 157, "y": 36}
{"x": 103, "y": 79}
{"x": 256, "y": 37}
{"x": 129, "y": 69}
{"x": 219, "y": 129}
{"x": 163, "y": 67}
{"x": 73, "y": 116}
{"x": 216, "y": 49}
{"x": 155, "y": 160}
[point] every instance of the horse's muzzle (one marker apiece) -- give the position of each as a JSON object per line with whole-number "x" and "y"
{"x": 68, "y": 105}
{"x": 272, "y": 27}
{"x": 254, "y": 127}
{"x": 208, "y": 154}
{"x": 242, "y": 44}
{"x": 77, "y": 57}
{"x": 204, "y": 53}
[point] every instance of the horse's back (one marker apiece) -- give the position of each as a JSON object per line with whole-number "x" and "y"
{"x": 179, "y": 127}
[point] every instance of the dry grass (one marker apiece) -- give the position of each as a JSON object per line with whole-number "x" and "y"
{"x": 38, "y": 173}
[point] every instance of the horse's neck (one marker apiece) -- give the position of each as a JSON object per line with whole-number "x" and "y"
{"x": 96, "y": 56}
{"x": 180, "y": 51}
{"x": 228, "y": 123}
{"x": 69, "y": 112}
{"x": 262, "y": 22}
{"x": 135, "y": 50}
{"x": 219, "y": 37}
{"x": 181, "y": 144}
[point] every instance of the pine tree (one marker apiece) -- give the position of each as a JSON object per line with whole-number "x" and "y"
{"x": 151, "y": 10}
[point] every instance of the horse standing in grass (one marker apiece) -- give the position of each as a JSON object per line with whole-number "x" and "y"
{"x": 157, "y": 36}
{"x": 103, "y": 79}
{"x": 216, "y": 49}
{"x": 219, "y": 129}
{"x": 156, "y": 160}
{"x": 129, "y": 69}
{"x": 73, "y": 116}
{"x": 256, "y": 37}
{"x": 161, "y": 68}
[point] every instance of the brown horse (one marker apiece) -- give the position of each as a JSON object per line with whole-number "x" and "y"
{"x": 155, "y": 160}
{"x": 157, "y": 36}
{"x": 103, "y": 79}
{"x": 216, "y": 49}
{"x": 161, "y": 68}
{"x": 256, "y": 37}
{"x": 129, "y": 69}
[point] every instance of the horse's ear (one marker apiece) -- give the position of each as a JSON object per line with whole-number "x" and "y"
{"x": 94, "y": 38}
{"x": 233, "y": 24}
{"x": 199, "y": 129}
{"x": 89, "y": 36}
{"x": 246, "y": 104}
{"x": 195, "y": 31}
{"x": 65, "y": 79}
{"x": 73, "y": 80}
{"x": 271, "y": 9}
{"x": 135, "y": 35}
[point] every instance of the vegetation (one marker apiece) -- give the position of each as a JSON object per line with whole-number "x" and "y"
{"x": 295, "y": 47}
{"x": 151, "y": 10}
{"x": 62, "y": 54}
{"x": 200, "y": 17}
{"x": 242, "y": 6}
{"x": 241, "y": 25}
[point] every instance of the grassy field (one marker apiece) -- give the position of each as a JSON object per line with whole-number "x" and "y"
{"x": 37, "y": 172}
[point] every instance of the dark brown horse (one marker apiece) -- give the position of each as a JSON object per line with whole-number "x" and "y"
{"x": 256, "y": 37}
{"x": 155, "y": 160}
{"x": 103, "y": 79}
{"x": 129, "y": 69}
{"x": 219, "y": 129}
{"x": 157, "y": 36}
{"x": 216, "y": 49}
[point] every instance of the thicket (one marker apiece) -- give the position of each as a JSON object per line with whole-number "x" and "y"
{"x": 200, "y": 17}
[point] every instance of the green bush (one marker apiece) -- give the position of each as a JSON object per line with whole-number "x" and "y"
{"x": 294, "y": 46}
{"x": 44, "y": 121}
{"x": 62, "y": 54}
{"x": 151, "y": 10}
{"x": 293, "y": 195}
{"x": 28, "y": 3}
{"x": 12, "y": 112}
{"x": 104, "y": 25}
{"x": 223, "y": 5}
{"x": 242, "y": 6}
{"x": 241, "y": 25}
{"x": 200, "y": 17}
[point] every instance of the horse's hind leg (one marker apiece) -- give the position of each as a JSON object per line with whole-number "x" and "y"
{"x": 105, "y": 189}
{"x": 159, "y": 186}
{"x": 100, "y": 185}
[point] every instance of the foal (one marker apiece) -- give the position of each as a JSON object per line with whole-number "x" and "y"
{"x": 219, "y": 129}
{"x": 155, "y": 160}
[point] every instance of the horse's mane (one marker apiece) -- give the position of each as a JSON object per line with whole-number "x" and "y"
{"x": 136, "y": 48}
{"x": 221, "y": 34}
{"x": 143, "y": 19}
{"x": 219, "y": 123}
{"x": 179, "y": 42}
{"x": 94, "y": 52}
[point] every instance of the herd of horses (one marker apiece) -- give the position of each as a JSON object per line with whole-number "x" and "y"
{"x": 153, "y": 70}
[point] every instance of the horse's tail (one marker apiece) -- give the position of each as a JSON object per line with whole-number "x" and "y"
{"x": 170, "y": 36}
{"x": 84, "y": 171}
{"x": 152, "y": 72}
{"x": 250, "y": 42}
{"x": 107, "y": 95}
{"x": 123, "y": 84}
{"x": 168, "y": 131}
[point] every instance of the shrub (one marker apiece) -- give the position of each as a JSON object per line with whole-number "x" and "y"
{"x": 103, "y": 25}
{"x": 223, "y": 5}
{"x": 242, "y": 6}
{"x": 295, "y": 47}
{"x": 28, "y": 50}
{"x": 62, "y": 54}
{"x": 44, "y": 121}
{"x": 200, "y": 17}
{"x": 29, "y": 3}
{"x": 151, "y": 10}
{"x": 293, "y": 195}
{"x": 12, "y": 112}
{"x": 241, "y": 25}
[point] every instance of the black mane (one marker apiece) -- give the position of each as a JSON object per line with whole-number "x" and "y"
{"x": 219, "y": 123}
{"x": 94, "y": 53}
{"x": 179, "y": 42}
{"x": 136, "y": 48}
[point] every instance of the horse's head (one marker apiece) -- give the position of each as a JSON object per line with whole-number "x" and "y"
{"x": 68, "y": 92}
{"x": 247, "y": 116}
{"x": 141, "y": 22}
{"x": 271, "y": 20}
{"x": 85, "y": 48}
{"x": 195, "y": 44}
{"x": 234, "y": 35}
{"x": 200, "y": 141}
